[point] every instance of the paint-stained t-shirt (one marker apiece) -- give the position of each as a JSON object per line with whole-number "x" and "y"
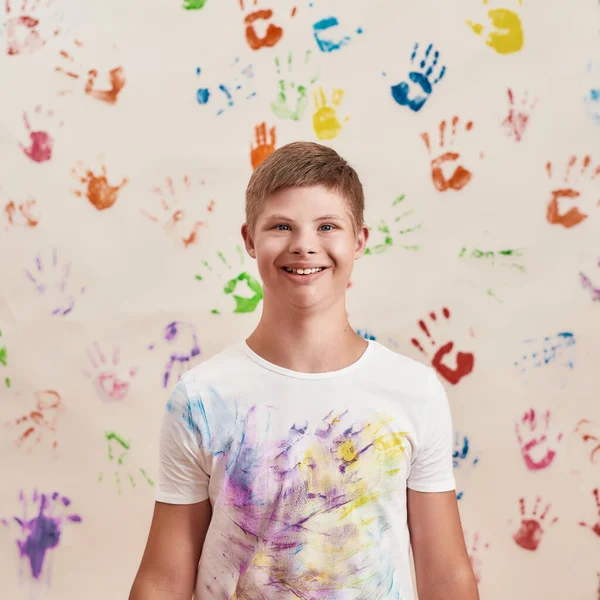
{"x": 306, "y": 472}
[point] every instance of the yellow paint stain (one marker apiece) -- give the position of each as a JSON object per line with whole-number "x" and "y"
{"x": 506, "y": 35}
{"x": 347, "y": 451}
{"x": 360, "y": 501}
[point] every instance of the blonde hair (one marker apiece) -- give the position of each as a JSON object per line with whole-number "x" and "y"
{"x": 304, "y": 164}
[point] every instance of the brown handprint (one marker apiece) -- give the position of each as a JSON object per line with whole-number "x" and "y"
{"x": 98, "y": 191}
{"x": 23, "y": 35}
{"x": 464, "y": 361}
{"x": 22, "y": 214}
{"x": 529, "y": 534}
{"x": 475, "y": 555}
{"x": 41, "y": 421}
{"x": 518, "y": 116}
{"x": 176, "y": 216}
{"x": 263, "y": 147}
{"x": 443, "y": 157}
{"x": 529, "y": 440}
{"x": 116, "y": 77}
{"x": 272, "y": 34}
{"x": 573, "y": 216}
{"x": 596, "y": 526}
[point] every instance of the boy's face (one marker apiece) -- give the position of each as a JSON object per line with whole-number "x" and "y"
{"x": 307, "y": 227}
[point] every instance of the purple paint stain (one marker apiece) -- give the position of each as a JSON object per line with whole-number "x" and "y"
{"x": 42, "y": 532}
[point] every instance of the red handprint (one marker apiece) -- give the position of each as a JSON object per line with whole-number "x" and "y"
{"x": 531, "y": 531}
{"x": 443, "y": 157}
{"x": 573, "y": 216}
{"x": 464, "y": 361}
{"x": 263, "y": 148}
{"x": 596, "y": 526}
{"x": 533, "y": 441}
{"x": 41, "y": 143}
{"x": 97, "y": 189}
{"x": 273, "y": 32}
{"x": 23, "y": 35}
{"x": 518, "y": 117}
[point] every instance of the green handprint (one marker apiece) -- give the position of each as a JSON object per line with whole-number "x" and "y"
{"x": 123, "y": 447}
{"x": 243, "y": 304}
{"x": 4, "y": 362}
{"x": 384, "y": 229}
{"x": 283, "y": 106}
{"x": 193, "y": 4}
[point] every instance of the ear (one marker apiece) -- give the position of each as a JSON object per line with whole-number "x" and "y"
{"x": 361, "y": 242}
{"x": 248, "y": 241}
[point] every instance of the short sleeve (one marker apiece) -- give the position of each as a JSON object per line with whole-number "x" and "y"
{"x": 183, "y": 475}
{"x": 431, "y": 468}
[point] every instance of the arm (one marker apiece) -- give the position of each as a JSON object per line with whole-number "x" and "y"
{"x": 170, "y": 560}
{"x": 442, "y": 566}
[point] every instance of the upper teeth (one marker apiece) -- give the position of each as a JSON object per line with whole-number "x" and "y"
{"x": 303, "y": 271}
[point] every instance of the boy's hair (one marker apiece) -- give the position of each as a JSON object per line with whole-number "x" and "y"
{"x": 304, "y": 164}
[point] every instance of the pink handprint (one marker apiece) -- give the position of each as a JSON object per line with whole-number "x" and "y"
{"x": 41, "y": 142}
{"x": 596, "y": 526}
{"x": 518, "y": 116}
{"x": 463, "y": 361}
{"x": 40, "y": 422}
{"x": 110, "y": 383}
{"x": 475, "y": 555}
{"x": 530, "y": 440}
{"x": 24, "y": 24}
{"x": 529, "y": 534}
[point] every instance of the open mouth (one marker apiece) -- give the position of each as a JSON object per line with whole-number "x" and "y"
{"x": 304, "y": 271}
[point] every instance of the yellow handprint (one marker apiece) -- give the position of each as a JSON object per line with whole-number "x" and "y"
{"x": 507, "y": 35}
{"x": 325, "y": 120}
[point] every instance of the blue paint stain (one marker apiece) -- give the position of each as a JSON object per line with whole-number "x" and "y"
{"x": 365, "y": 334}
{"x": 592, "y": 97}
{"x": 415, "y": 96}
{"x": 327, "y": 44}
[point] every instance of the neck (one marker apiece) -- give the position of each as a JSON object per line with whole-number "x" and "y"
{"x": 306, "y": 340}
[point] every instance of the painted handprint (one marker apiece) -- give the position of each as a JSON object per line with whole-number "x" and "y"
{"x": 446, "y": 158}
{"x": 21, "y": 214}
{"x": 383, "y": 235}
{"x": 595, "y": 527}
{"x": 246, "y": 303}
{"x": 325, "y": 119}
{"x": 294, "y": 83}
{"x": 95, "y": 186}
{"x": 181, "y": 341}
{"x": 517, "y": 119}
{"x": 181, "y": 215}
{"x": 506, "y": 34}
{"x": 273, "y": 33}
{"x": 118, "y": 449}
{"x": 262, "y": 145}
{"x": 463, "y": 361}
{"x": 425, "y": 74}
{"x": 40, "y": 143}
{"x": 584, "y": 450}
{"x": 52, "y": 283}
{"x": 74, "y": 68}
{"x": 29, "y": 25}
{"x": 4, "y": 361}
{"x": 556, "y": 350}
{"x": 111, "y": 381}
{"x": 239, "y": 82}
{"x": 591, "y": 100}
{"x": 41, "y": 524}
{"x": 462, "y": 458}
{"x": 509, "y": 257}
{"x": 529, "y": 535}
{"x": 474, "y": 551}
{"x": 39, "y": 425}
{"x": 588, "y": 284}
{"x": 533, "y": 434}
{"x": 193, "y": 4}
{"x": 329, "y": 36}
{"x": 578, "y": 204}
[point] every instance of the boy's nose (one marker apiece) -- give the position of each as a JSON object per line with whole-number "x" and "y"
{"x": 303, "y": 243}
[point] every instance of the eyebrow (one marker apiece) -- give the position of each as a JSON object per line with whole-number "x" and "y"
{"x": 329, "y": 217}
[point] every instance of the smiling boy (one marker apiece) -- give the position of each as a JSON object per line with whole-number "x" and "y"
{"x": 304, "y": 461}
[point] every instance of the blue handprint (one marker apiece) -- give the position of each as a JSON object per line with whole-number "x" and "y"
{"x": 592, "y": 96}
{"x": 461, "y": 456}
{"x": 422, "y": 77}
{"x": 327, "y": 44}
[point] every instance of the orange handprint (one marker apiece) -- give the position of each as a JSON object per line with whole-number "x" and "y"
{"x": 98, "y": 191}
{"x": 180, "y": 210}
{"x": 272, "y": 34}
{"x": 532, "y": 441}
{"x": 529, "y": 534}
{"x": 116, "y": 77}
{"x": 263, "y": 148}
{"x": 443, "y": 157}
{"x": 573, "y": 216}
{"x": 22, "y": 214}
{"x": 464, "y": 361}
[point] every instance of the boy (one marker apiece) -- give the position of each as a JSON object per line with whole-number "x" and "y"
{"x": 295, "y": 464}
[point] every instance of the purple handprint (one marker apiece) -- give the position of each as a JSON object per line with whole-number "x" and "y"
{"x": 42, "y": 532}
{"x": 422, "y": 78}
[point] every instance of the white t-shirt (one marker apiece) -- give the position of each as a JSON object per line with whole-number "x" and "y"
{"x": 306, "y": 472}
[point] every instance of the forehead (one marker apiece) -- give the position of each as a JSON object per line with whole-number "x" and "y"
{"x": 311, "y": 201}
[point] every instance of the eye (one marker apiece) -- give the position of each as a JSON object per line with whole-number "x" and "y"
{"x": 328, "y": 225}
{"x": 281, "y": 225}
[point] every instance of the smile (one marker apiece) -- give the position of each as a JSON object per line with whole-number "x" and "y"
{"x": 304, "y": 275}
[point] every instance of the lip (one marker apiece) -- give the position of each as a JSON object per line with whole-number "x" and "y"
{"x": 303, "y": 278}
